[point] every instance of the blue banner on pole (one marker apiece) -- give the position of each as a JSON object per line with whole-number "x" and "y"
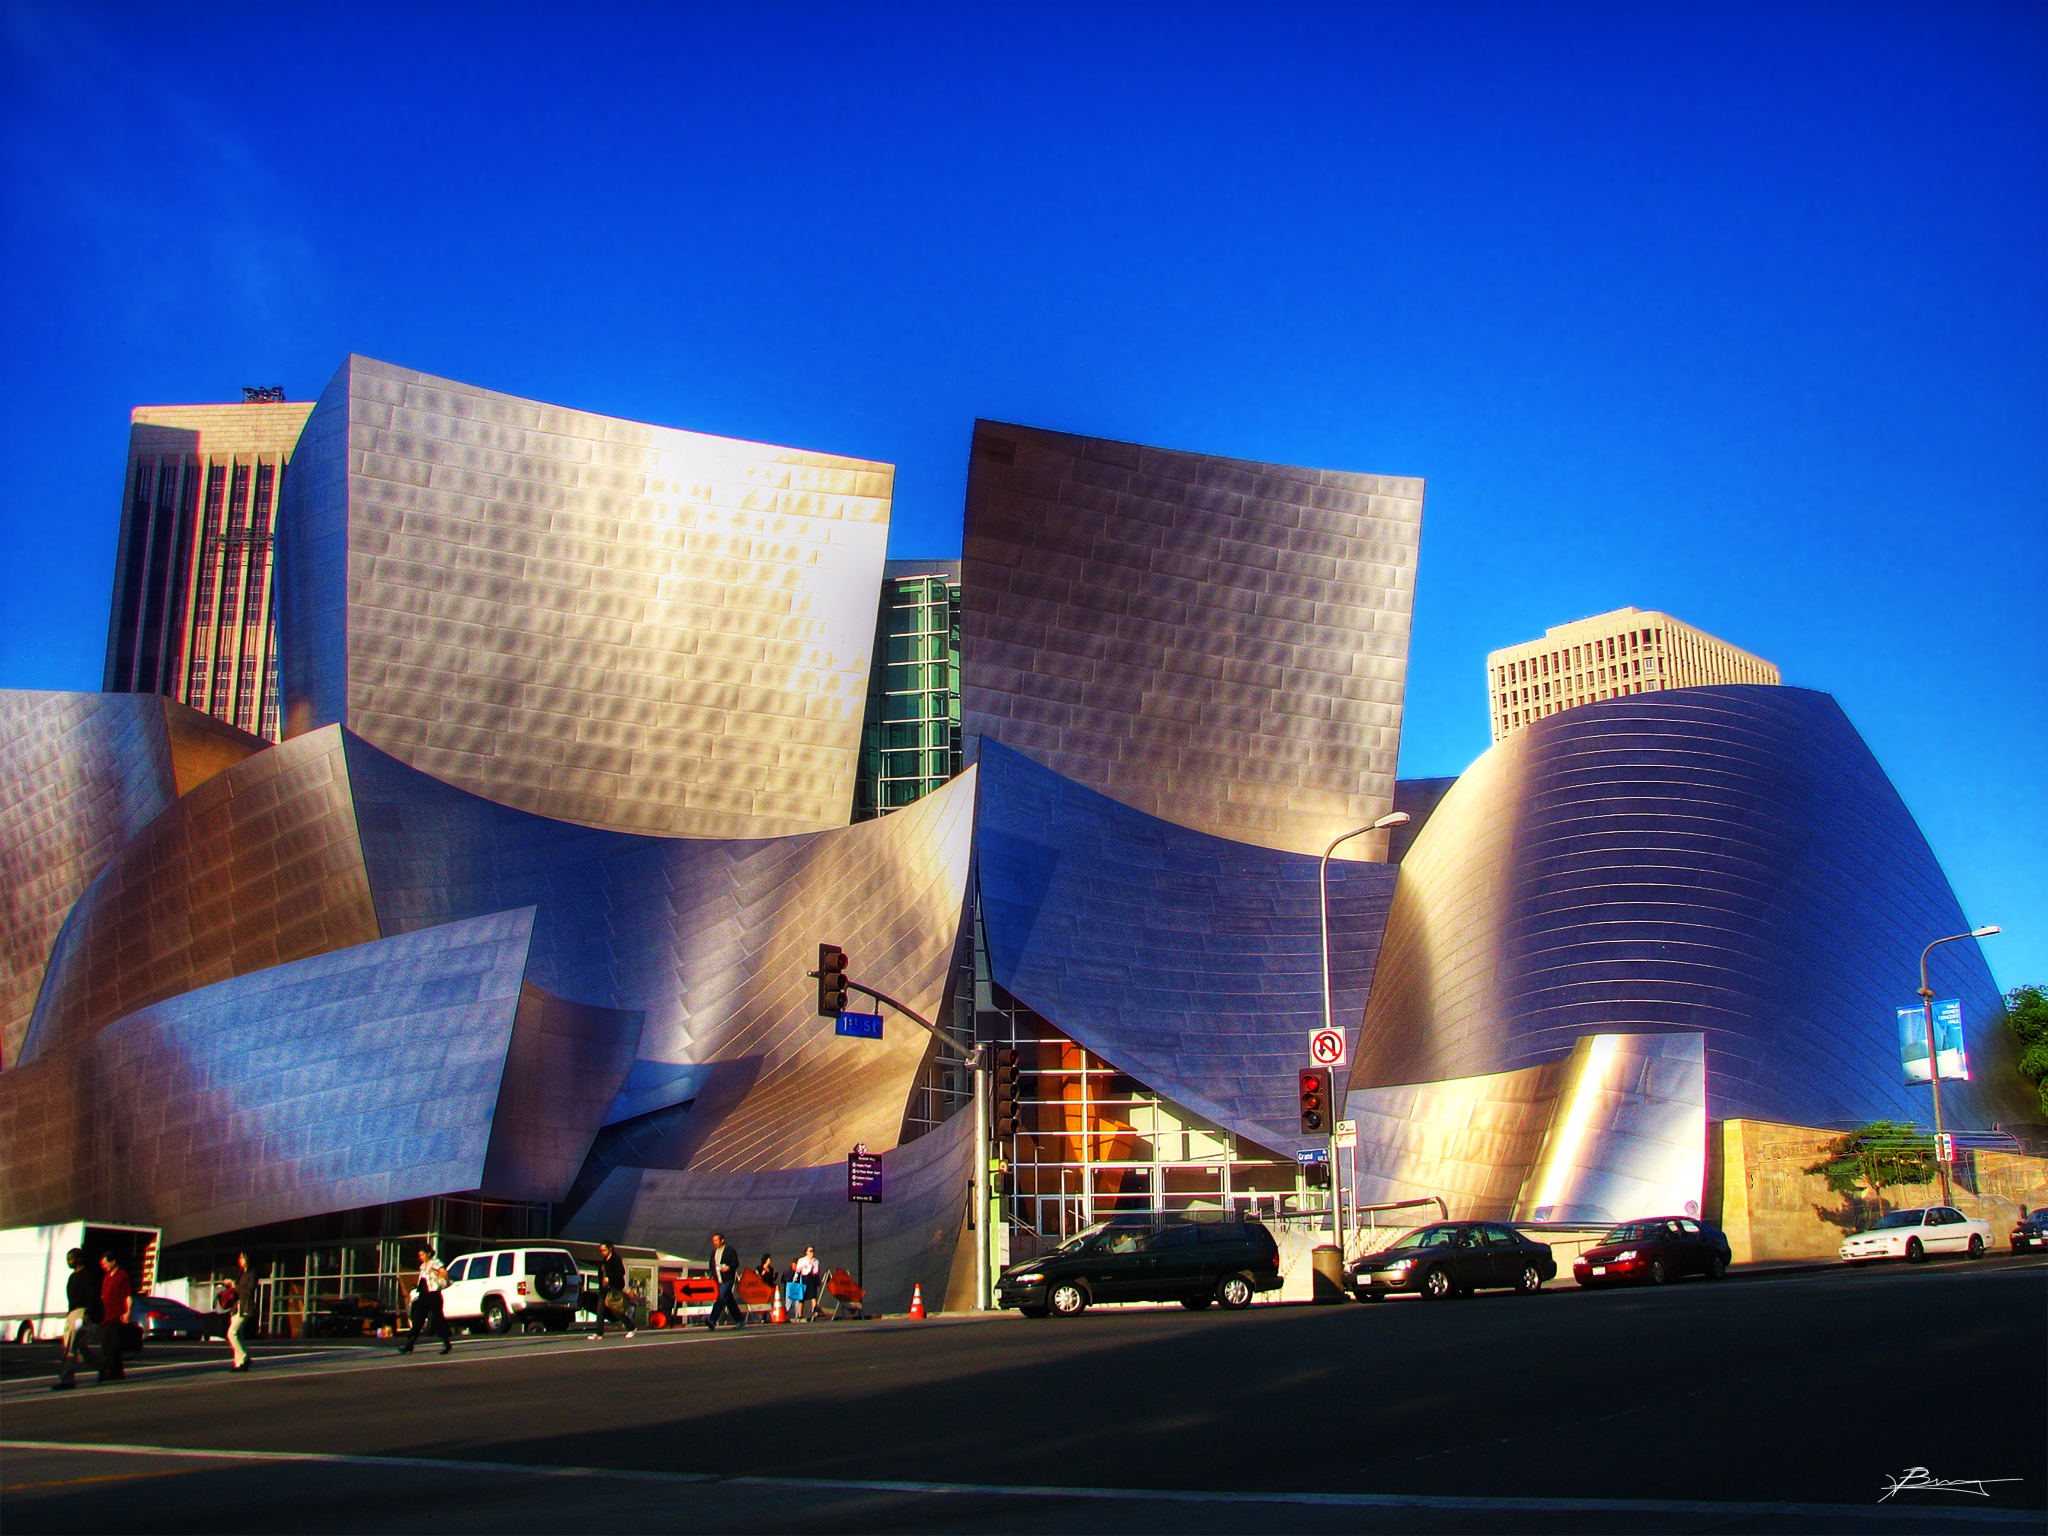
{"x": 1948, "y": 1031}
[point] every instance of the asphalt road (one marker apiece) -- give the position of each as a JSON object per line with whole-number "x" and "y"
{"x": 1770, "y": 1404}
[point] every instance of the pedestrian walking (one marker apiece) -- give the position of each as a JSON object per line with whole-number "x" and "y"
{"x": 429, "y": 1310}
{"x": 611, "y": 1291}
{"x": 241, "y": 1304}
{"x": 805, "y": 1276}
{"x": 725, "y": 1273}
{"x": 81, "y": 1310}
{"x": 117, "y": 1294}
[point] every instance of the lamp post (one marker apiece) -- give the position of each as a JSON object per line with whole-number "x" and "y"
{"x": 1934, "y": 1048}
{"x": 1392, "y": 819}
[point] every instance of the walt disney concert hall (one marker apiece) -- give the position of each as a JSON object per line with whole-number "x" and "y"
{"x": 592, "y": 732}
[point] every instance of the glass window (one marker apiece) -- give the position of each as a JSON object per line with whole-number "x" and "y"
{"x": 505, "y": 1261}
{"x": 455, "y": 1269}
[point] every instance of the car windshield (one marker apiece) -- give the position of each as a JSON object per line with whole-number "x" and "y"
{"x": 1897, "y": 1219}
{"x": 2040, "y": 1215}
{"x": 1634, "y": 1232}
{"x": 1420, "y": 1237}
{"x": 1083, "y": 1238}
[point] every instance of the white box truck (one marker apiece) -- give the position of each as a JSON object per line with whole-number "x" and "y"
{"x": 33, "y": 1271}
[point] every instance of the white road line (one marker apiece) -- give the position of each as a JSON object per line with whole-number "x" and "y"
{"x": 1731, "y": 1508}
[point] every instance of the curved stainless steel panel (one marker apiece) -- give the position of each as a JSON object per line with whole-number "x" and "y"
{"x": 627, "y": 626}
{"x": 1190, "y": 962}
{"x": 1615, "y": 1130}
{"x": 80, "y": 774}
{"x": 257, "y": 866}
{"x": 1729, "y": 860}
{"x": 345, "y": 1080}
{"x": 913, "y": 1237}
{"x": 712, "y": 940}
{"x": 1219, "y": 643}
{"x": 565, "y": 1066}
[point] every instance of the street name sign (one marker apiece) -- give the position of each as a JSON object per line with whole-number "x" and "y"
{"x": 1313, "y": 1155}
{"x": 862, "y": 1026}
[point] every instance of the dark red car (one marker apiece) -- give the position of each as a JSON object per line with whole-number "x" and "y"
{"x": 1652, "y": 1251}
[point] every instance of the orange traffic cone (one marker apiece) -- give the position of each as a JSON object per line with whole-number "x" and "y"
{"x": 778, "y": 1315}
{"x": 917, "y": 1301}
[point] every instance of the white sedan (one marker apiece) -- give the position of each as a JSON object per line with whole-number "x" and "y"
{"x": 1917, "y": 1234}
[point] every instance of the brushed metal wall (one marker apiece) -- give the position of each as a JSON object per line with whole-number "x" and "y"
{"x": 626, "y": 626}
{"x": 1615, "y": 1129}
{"x": 1192, "y": 963}
{"x": 81, "y": 774}
{"x": 1728, "y": 860}
{"x": 257, "y": 866}
{"x": 1218, "y": 643}
{"x": 344, "y": 1080}
{"x": 710, "y": 939}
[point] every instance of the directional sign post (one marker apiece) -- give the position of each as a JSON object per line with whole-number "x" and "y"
{"x": 1326, "y": 1047}
{"x": 1945, "y": 1147}
{"x": 863, "y": 1188}
{"x": 862, "y": 1026}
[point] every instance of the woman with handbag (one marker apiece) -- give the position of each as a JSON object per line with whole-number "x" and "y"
{"x": 804, "y": 1277}
{"x": 238, "y": 1296}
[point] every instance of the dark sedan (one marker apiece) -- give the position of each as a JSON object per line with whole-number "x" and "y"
{"x": 2030, "y": 1231}
{"x": 1652, "y": 1251}
{"x": 1454, "y": 1258}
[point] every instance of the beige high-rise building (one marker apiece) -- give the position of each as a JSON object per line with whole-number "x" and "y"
{"x": 192, "y": 587}
{"x": 1606, "y": 656}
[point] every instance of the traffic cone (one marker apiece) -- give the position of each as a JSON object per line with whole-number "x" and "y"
{"x": 778, "y": 1315}
{"x": 917, "y": 1301}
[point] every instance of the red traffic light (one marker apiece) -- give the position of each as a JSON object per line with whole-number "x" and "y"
{"x": 1315, "y": 1101}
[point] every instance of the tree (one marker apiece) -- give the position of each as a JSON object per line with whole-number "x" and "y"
{"x": 1882, "y": 1154}
{"x": 2026, "y": 1015}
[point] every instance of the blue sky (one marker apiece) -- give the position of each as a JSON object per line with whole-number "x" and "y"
{"x": 1734, "y": 312}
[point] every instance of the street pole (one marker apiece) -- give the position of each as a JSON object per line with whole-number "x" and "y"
{"x": 1934, "y": 1048}
{"x": 1394, "y": 819}
{"x": 984, "y": 1250}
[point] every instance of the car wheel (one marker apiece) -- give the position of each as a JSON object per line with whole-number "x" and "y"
{"x": 1976, "y": 1246}
{"x": 1528, "y": 1282}
{"x": 1658, "y": 1274}
{"x": 1234, "y": 1292}
{"x": 1915, "y": 1254}
{"x": 1717, "y": 1267}
{"x": 1068, "y": 1299}
{"x": 1196, "y": 1303}
{"x": 1436, "y": 1285}
{"x": 1033, "y": 1312}
{"x": 25, "y": 1334}
{"x": 496, "y": 1318}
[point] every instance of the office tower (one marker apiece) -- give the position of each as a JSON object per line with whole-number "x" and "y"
{"x": 1611, "y": 654}
{"x": 910, "y": 739}
{"x": 192, "y": 613}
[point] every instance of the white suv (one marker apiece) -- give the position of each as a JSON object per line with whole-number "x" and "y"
{"x": 529, "y": 1287}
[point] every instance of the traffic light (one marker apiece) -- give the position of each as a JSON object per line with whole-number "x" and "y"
{"x": 831, "y": 974}
{"x": 1315, "y": 1101}
{"x": 1003, "y": 1076}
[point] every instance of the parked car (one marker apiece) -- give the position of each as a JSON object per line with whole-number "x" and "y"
{"x": 1653, "y": 1250}
{"x": 507, "y": 1287}
{"x": 1915, "y": 1234}
{"x": 159, "y": 1318}
{"x": 1454, "y": 1258}
{"x": 2030, "y": 1231}
{"x": 1193, "y": 1263}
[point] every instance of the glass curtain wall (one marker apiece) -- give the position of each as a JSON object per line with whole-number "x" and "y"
{"x": 1093, "y": 1141}
{"x": 910, "y": 740}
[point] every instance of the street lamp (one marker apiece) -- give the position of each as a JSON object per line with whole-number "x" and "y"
{"x": 1392, "y": 819}
{"x": 1934, "y": 1050}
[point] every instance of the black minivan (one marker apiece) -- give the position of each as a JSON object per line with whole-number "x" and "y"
{"x": 1191, "y": 1262}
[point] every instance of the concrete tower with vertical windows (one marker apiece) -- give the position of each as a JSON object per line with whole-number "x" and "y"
{"x": 192, "y": 581}
{"x": 1605, "y": 657}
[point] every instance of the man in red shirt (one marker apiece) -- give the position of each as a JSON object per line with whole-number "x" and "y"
{"x": 115, "y": 1294}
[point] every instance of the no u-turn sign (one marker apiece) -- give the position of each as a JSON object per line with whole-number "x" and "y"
{"x": 1326, "y": 1047}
